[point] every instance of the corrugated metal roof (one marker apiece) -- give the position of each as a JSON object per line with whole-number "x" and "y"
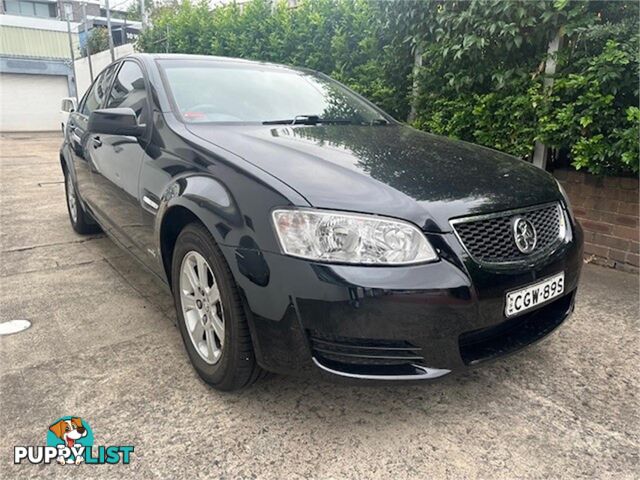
{"x": 36, "y": 23}
{"x": 32, "y": 43}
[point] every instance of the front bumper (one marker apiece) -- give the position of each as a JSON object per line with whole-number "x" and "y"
{"x": 394, "y": 323}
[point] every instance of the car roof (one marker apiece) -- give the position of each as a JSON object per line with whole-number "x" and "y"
{"x": 211, "y": 58}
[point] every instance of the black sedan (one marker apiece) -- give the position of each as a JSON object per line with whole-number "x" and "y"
{"x": 303, "y": 230}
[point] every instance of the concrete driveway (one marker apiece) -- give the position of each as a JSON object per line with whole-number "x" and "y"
{"x": 103, "y": 347}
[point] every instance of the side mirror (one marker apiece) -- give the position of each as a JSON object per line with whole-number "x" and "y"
{"x": 115, "y": 121}
{"x": 69, "y": 104}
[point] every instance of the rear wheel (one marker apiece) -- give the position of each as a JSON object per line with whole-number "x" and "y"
{"x": 210, "y": 314}
{"x": 81, "y": 220}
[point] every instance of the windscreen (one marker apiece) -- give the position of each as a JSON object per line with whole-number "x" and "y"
{"x": 208, "y": 91}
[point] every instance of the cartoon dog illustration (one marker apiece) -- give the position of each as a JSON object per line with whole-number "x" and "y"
{"x": 69, "y": 431}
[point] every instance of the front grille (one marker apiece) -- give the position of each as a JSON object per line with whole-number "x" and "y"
{"x": 358, "y": 351}
{"x": 489, "y": 238}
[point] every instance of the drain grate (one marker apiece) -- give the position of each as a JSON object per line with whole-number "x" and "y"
{"x": 14, "y": 326}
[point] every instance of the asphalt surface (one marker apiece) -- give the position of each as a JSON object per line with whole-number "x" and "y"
{"x": 103, "y": 347}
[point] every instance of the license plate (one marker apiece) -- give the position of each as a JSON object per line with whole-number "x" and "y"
{"x": 526, "y": 298}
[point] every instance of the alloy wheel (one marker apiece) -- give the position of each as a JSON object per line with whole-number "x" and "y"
{"x": 202, "y": 307}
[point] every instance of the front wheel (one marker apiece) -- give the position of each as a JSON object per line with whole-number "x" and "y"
{"x": 210, "y": 314}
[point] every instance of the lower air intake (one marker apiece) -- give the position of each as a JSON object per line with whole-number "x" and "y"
{"x": 358, "y": 351}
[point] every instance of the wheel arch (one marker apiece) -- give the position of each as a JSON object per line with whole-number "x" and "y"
{"x": 65, "y": 162}
{"x": 194, "y": 198}
{"x": 173, "y": 222}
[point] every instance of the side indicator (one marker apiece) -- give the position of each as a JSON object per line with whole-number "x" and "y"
{"x": 150, "y": 202}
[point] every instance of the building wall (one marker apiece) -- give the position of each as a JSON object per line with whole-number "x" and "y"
{"x": 607, "y": 208}
{"x": 31, "y": 102}
{"x": 92, "y": 8}
{"x": 35, "y": 71}
{"x": 29, "y": 37}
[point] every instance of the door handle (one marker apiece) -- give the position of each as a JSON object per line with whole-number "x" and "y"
{"x": 96, "y": 142}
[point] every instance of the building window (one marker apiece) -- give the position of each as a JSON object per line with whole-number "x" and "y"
{"x": 41, "y": 9}
{"x": 26, "y": 8}
{"x": 12, "y": 7}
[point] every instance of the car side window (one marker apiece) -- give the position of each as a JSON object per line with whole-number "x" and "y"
{"x": 83, "y": 101}
{"x": 95, "y": 96}
{"x": 90, "y": 102}
{"x": 129, "y": 90}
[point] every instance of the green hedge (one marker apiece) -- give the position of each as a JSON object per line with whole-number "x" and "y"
{"x": 482, "y": 77}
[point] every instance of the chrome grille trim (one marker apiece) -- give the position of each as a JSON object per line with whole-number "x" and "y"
{"x": 428, "y": 373}
{"x": 360, "y": 351}
{"x": 488, "y": 238}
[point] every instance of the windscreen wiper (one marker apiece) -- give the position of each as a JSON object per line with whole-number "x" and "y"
{"x": 316, "y": 120}
{"x": 308, "y": 120}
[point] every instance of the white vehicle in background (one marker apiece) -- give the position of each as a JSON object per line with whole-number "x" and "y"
{"x": 67, "y": 105}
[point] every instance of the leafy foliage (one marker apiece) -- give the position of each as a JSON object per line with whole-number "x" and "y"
{"x": 346, "y": 39}
{"x": 482, "y": 77}
{"x": 134, "y": 9}
{"x": 97, "y": 40}
{"x": 593, "y": 108}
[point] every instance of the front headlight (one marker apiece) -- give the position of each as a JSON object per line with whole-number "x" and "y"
{"x": 564, "y": 195}
{"x": 350, "y": 238}
{"x": 565, "y": 213}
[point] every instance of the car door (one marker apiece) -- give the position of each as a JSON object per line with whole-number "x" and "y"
{"x": 117, "y": 159}
{"x": 79, "y": 138}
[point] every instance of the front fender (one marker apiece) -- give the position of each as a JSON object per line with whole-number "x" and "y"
{"x": 209, "y": 200}
{"x": 242, "y": 222}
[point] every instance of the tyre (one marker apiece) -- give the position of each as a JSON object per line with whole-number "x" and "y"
{"x": 211, "y": 318}
{"x": 81, "y": 220}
